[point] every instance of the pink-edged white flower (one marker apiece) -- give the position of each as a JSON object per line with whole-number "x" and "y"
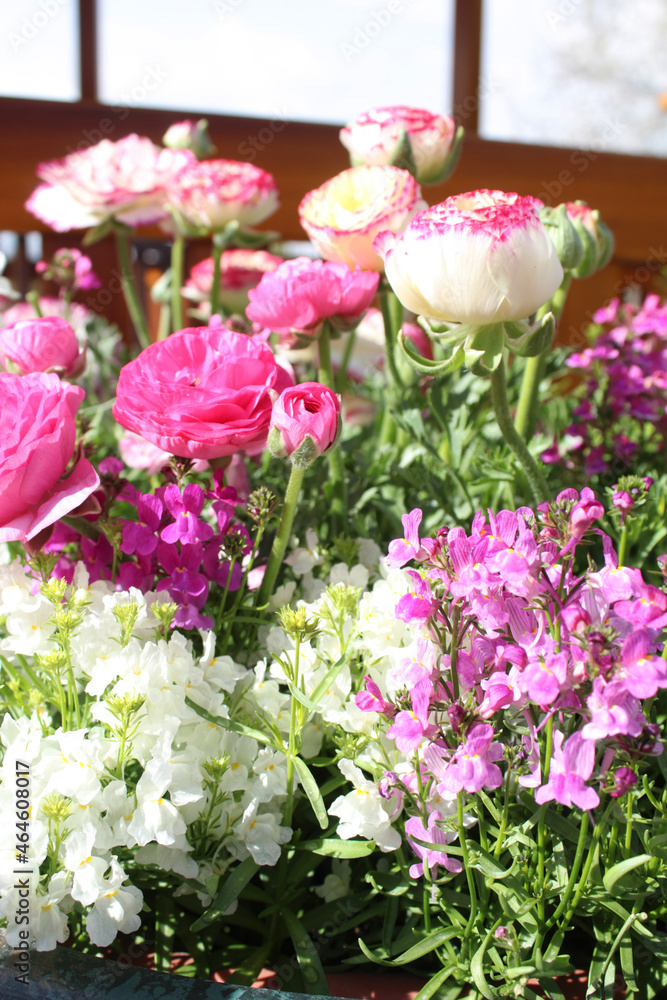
{"x": 211, "y": 194}
{"x": 124, "y": 180}
{"x": 375, "y": 137}
{"x": 477, "y": 258}
{"x": 116, "y": 908}
{"x": 190, "y": 135}
{"x": 344, "y": 215}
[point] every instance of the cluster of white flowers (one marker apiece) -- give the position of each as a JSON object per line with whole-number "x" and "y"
{"x": 137, "y": 778}
{"x": 133, "y": 778}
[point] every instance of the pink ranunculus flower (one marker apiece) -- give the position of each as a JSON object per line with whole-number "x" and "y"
{"x": 302, "y": 293}
{"x": 375, "y": 136}
{"x": 124, "y": 180}
{"x": 344, "y": 216}
{"x": 47, "y": 344}
{"x": 79, "y": 316}
{"x": 476, "y": 258}
{"x": 305, "y": 423}
{"x": 38, "y": 420}
{"x": 240, "y": 270}
{"x": 211, "y": 194}
{"x": 205, "y": 392}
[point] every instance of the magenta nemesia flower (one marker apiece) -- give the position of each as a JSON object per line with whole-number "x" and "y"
{"x": 419, "y": 603}
{"x": 124, "y": 180}
{"x": 38, "y": 485}
{"x": 571, "y": 766}
{"x": 299, "y": 295}
{"x": 430, "y": 857}
{"x": 473, "y": 765}
{"x": 141, "y": 536}
{"x": 202, "y": 393}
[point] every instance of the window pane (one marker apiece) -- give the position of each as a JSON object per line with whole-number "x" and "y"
{"x": 591, "y": 74}
{"x": 40, "y": 51}
{"x": 301, "y": 60}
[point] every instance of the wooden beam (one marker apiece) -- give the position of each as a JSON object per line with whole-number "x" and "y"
{"x": 88, "y": 50}
{"x": 467, "y": 49}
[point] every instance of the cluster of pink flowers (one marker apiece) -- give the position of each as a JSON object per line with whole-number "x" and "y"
{"x": 623, "y": 394}
{"x": 516, "y": 644}
{"x": 169, "y": 547}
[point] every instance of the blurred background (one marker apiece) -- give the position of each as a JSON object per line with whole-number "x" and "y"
{"x": 561, "y": 99}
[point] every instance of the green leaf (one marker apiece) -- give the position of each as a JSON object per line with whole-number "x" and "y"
{"x": 230, "y": 891}
{"x": 335, "y": 848}
{"x": 164, "y": 932}
{"x": 99, "y": 232}
{"x": 311, "y": 789}
{"x": 302, "y": 698}
{"x": 622, "y": 868}
{"x": 489, "y": 866}
{"x": 477, "y": 969}
{"x": 434, "y": 984}
{"x": 232, "y": 724}
{"x": 329, "y": 678}
{"x": 423, "y": 365}
{"x": 307, "y": 955}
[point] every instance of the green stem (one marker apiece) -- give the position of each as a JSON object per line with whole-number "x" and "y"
{"x": 465, "y": 857}
{"x": 335, "y": 455}
{"x": 533, "y": 372}
{"x": 164, "y": 322}
{"x": 177, "y": 258}
{"x": 498, "y": 850}
{"x": 592, "y": 850}
{"x": 501, "y": 408}
{"x": 628, "y": 829}
{"x": 282, "y": 535}
{"x": 542, "y": 824}
{"x": 392, "y": 317}
{"x": 574, "y": 874}
{"x": 216, "y": 253}
{"x": 622, "y": 546}
{"x": 129, "y": 287}
{"x": 347, "y": 354}
{"x": 33, "y": 299}
{"x": 454, "y": 650}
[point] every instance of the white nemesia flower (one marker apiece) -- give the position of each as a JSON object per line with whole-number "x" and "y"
{"x": 362, "y": 812}
{"x": 116, "y": 908}
{"x": 155, "y": 818}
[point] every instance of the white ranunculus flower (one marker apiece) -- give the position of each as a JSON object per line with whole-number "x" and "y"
{"x": 373, "y": 138}
{"x": 478, "y": 258}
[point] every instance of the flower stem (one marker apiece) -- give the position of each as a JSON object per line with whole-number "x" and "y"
{"x": 282, "y": 535}
{"x": 392, "y": 316}
{"x": 129, "y": 287}
{"x": 542, "y": 823}
{"x": 177, "y": 257}
{"x": 536, "y": 480}
{"x": 576, "y": 865}
{"x": 533, "y": 372}
{"x": 216, "y": 253}
{"x": 335, "y": 455}
{"x": 466, "y": 867}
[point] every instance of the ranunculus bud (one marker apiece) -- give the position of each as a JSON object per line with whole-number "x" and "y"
{"x": 190, "y": 135}
{"x": 425, "y": 144}
{"x": 344, "y": 216}
{"x": 305, "y": 423}
{"x": 211, "y": 194}
{"x": 597, "y": 239}
{"x": 476, "y": 259}
{"x": 564, "y": 235}
{"x": 47, "y": 344}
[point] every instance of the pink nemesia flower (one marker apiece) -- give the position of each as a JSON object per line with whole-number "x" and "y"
{"x": 372, "y": 700}
{"x": 37, "y": 488}
{"x": 571, "y": 766}
{"x": 476, "y": 258}
{"x": 344, "y": 216}
{"x": 401, "y": 550}
{"x": 300, "y": 294}
{"x": 124, "y": 180}
{"x": 419, "y": 603}
{"x": 473, "y": 765}
{"x": 202, "y": 393}
{"x": 48, "y": 344}
{"x": 431, "y": 858}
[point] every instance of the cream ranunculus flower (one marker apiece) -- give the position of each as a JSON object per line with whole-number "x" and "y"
{"x": 477, "y": 258}
{"x": 344, "y": 216}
